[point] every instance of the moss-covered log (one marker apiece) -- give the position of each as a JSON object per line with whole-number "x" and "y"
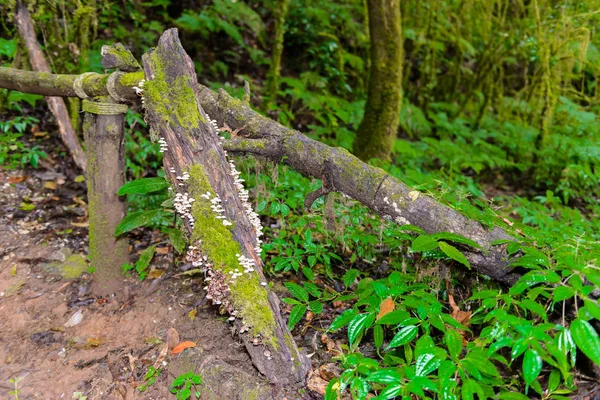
{"x": 345, "y": 173}
{"x": 64, "y": 85}
{"x": 223, "y": 238}
{"x": 379, "y": 126}
{"x": 104, "y": 139}
{"x": 57, "y": 105}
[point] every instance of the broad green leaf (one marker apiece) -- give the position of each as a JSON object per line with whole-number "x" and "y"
{"x": 562, "y": 293}
{"x": 386, "y": 375}
{"x": 454, "y": 253}
{"x": 358, "y": 325}
{"x": 532, "y": 366}
{"x": 393, "y": 318}
{"x": 391, "y": 391}
{"x": 312, "y": 289}
{"x": 316, "y": 306}
{"x": 177, "y": 239}
{"x": 470, "y": 388}
{"x": 454, "y": 343}
{"x": 424, "y": 243}
{"x": 342, "y": 319}
{"x": 331, "y": 392}
{"x": 137, "y": 219}
{"x": 378, "y": 336}
{"x": 586, "y": 339}
{"x": 592, "y": 308}
{"x": 143, "y": 186}
{"x": 533, "y": 278}
{"x": 456, "y": 238}
{"x": 308, "y": 273}
{"x": 296, "y": 315}
{"x": 350, "y": 276}
{"x": 297, "y": 291}
{"x": 404, "y": 336}
{"x": 426, "y": 364}
{"x": 144, "y": 261}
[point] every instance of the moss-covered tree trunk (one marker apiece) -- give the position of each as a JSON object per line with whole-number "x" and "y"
{"x": 104, "y": 140}
{"x": 223, "y": 231}
{"x": 378, "y": 129}
{"x": 279, "y": 12}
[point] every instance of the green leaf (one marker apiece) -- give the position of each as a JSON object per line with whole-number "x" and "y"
{"x": 426, "y": 364}
{"x": 470, "y": 388}
{"x": 143, "y": 186}
{"x": 144, "y": 261}
{"x": 378, "y": 336}
{"x": 394, "y": 317}
{"x": 456, "y": 238}
{"x": 312, "y": 289}
{"x": 308, "y": 273}
{"x": 404, "y": 336}
{"x": 342, "y": 319}
{"x": 358, "y": 325}
{"x": 386, "y": 375}
{"x": 533, "y": 278}
{"x": 586, "y": 339}
{"x": 330, "y": 392}
{"x": 297, "y": 291}
{"x": 136, "y": 219}
{"x": 532, "y": 366}
{"x": 316, "y": 306}
{"x": 296, "y": 315}
{"x": 350, "y": 276}
{"x": 562, "y": 293}
{"x": 177, "y": 239}
{"x": 454, "y": 253}
{"x": 513, "y": 396}
{"x": 424, "y": 243}
{"x": 454, "y": 343}
{"x": 391, "y": 391}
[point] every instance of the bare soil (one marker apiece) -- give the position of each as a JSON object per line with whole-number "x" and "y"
{"x": 43, "y": 283}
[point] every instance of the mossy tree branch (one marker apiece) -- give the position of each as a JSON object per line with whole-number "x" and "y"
{"x": 347, "y": 174}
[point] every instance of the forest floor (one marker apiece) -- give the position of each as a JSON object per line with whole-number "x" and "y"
{"x": 44, "y": 283}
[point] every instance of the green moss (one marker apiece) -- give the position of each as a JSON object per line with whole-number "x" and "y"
{"x": 175, "y": 101}
{"x": 71, "y": 268}
{"x": 131, "y": 79}
{"x": 249, "y": 298}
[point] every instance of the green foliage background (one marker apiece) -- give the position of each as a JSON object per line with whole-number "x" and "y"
{"x": 499, "y": 121}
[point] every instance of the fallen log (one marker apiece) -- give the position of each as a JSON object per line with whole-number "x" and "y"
{"x": 57, "y": 105}
{"x": 223, "y": 230}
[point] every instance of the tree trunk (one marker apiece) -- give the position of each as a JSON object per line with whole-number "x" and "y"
{"x": 379, "y": 127}
{"x": 56, "y": 104}
{"x": 223, "y": 230}
{"x": 280, "y": 11}
{"x": 104, "y": 139}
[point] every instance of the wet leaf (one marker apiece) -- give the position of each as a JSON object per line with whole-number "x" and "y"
{"x": 182, "y": 346}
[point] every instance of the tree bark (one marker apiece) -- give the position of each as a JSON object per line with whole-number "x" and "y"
{"x": 280, "y": 11}
{"x": 379, "y": 126}
{"x": 197, "y": 166}
{"x": 56, "y": 104}
{"x": 105, "y": 143}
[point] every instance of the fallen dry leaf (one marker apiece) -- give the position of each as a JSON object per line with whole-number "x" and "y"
{"x": 386, "y": 307}
{"x": 461, "y": 316}
{"x": 156, "y": 273}
{"x": 162, "y": 250}
{"x": 16, "y": 179}
{"x": 50, "y": 185}
{"x": 80, "y": 224}
{"x": 182, "y": 346}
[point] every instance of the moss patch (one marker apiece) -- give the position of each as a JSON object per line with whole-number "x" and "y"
{"x": 131, "y": 79}
{"x": 71, "y": 268}
{"x": 174, "y": 102}
{"x": 249, "y": 298}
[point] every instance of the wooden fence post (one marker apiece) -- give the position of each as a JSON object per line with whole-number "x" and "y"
{"x": 105, "y": 146}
